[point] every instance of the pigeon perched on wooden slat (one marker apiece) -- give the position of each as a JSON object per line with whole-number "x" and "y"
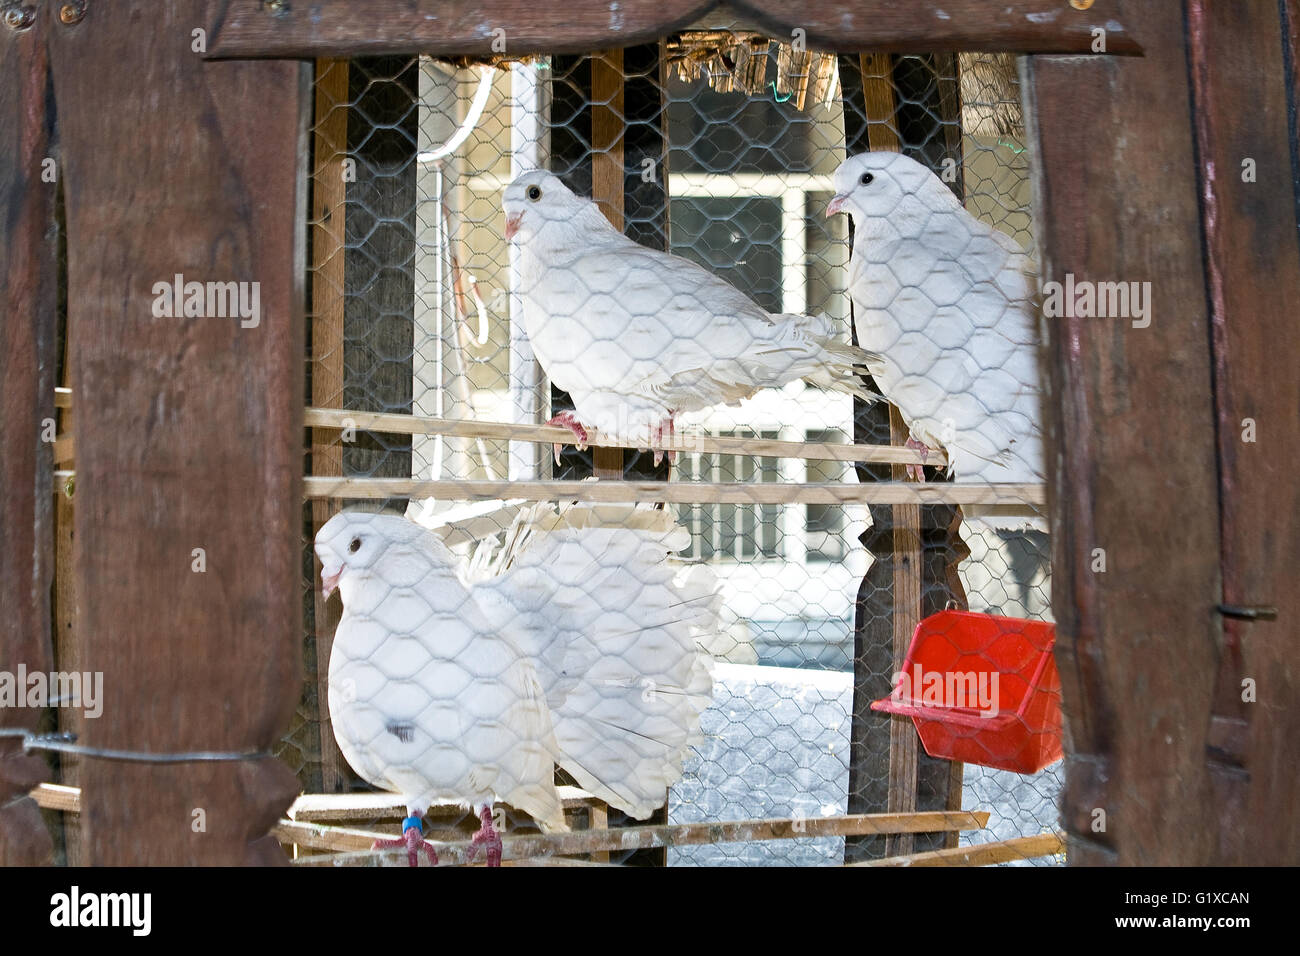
{"x": 637, "y": 336}
{"x": 578, "y": 649}
{"x": 947, "y": 302}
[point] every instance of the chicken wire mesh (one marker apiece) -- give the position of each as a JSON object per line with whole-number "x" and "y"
{"x": 719, "y": 146}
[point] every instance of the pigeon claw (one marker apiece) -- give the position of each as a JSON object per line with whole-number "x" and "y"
{"x": 413, "y": 839}
{"x": 666, "y": 427}
{"x": 566, "y": 420}
{"x": 488, "y": 838}
{"x": 917, "y": 472}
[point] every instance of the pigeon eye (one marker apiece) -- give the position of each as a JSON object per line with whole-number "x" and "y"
{"x": 355, "y": 546}
{"x": 534, "y": 193}
{"x": 866, "y": 179}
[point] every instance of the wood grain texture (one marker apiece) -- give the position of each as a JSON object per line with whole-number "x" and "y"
{"x": 683, "y": 492}
{"x": 915, "y": 549}
{"x": 980, "y": 854}
{"x": 882, "y": 134}
{"x": 27, "y": 362}
{"x": 67, "y": 635}
{"x": 1244, "y": 108}
{"x": 607, "y": 124}
{"x": 686, "y": 440}
{"x": 329, "y": 219}
{"x": 644, "y": 836}
{"x": 465, "y": 27}
{"x": 1130, "y": 428}
{"x": 190, "y": 430}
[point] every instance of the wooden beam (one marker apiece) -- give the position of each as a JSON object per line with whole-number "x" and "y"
{"x": 28, "y": 313}
{"x": 608, "y": 119}
{"x": 882, "y": 135}
{"x": 1243, "y": 100}
{"x": 334, "y": 807}
{"x": 468, "y": 27}
{"x": 67, "y": 635}
{"x": 685, "y": 440}
{"x": 1129, "y": 425}
{"x": 304, "y": 827}
{"x": 637, "y": 837}
{"x": 195, "y": 437}
{"x": 334, "y": 419}
{"x": 981, "y": 854}
{"x": 328, "y": 219}
{"x": 728, "y": 492}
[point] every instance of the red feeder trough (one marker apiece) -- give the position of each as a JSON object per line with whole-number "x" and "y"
{"x": 982, "y": 689}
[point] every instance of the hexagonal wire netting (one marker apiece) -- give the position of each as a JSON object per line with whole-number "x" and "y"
{"x": 723, "y": 143}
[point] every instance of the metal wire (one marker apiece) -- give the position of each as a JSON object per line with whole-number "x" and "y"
{"x": 64, "y": 743}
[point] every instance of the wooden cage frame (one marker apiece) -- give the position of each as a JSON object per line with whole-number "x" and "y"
{"x": 1138, "y": 172}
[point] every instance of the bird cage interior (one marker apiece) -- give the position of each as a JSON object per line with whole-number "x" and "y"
{"x": 709, "y": 482}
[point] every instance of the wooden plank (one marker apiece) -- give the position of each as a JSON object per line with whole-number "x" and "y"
{"x": 607, "y": 124}
{"x": 685, "y": 492}
{"x": 441, "y": 27}
{"x": 637, "y": 837}
{"x": 915, "y": 549}
{"x": 1129, "y": 427}
{"x": 685, "y": 440}
{"x": 934, "y": 26}
{"x": 67, "y": 636}
{"x": 982, "y": 854}
{"x": 28, "y": 304}
{"x": 304, "y": 829}
{"x": 1243, "y": 101}
{"x": 332, "y": 807}
{"x": 194, "y": 436}
{"x": 598, "y": 819}
{"x": 329, "y": 219}
{"x": 882, "y": 135}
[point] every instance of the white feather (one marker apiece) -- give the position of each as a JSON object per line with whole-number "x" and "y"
{"x": 947, "y": 301}
{"x": 572, "y": 646}
{"x": 635, "y": 335}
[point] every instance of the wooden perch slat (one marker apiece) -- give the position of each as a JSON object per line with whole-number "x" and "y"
{"x": 331, "y": 807}
{"x": 322, "y": 837}
{"x": 684, "y": 441}
{"x": 629, "y": 838}
{"x": 308, "y": 807}
{"x": 983, "y": 854}
{"x": 1012, "y": 496}
{"x": 1003, "y": 499}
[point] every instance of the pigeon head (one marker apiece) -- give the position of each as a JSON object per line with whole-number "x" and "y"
{"x": 543, "y": 212}
{"x": 883, "y": 185}
{"x": 355, "y": 547}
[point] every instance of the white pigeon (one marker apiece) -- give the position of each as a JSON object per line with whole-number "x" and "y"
{"x": 637, "y": 336}
{"x": 579, "y": 651}
{"x": 947, "y": 301}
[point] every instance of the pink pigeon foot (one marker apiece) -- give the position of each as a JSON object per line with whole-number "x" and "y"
{"x": 487, "y": 837}
{"x": 669, "y": 427}
{"x": 566, "y": 420}
{"x": 917, "y": 472}
{"x": 413, "y": 839}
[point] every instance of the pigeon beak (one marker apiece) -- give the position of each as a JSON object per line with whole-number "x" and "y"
{"x": 329, "y": 580}
{"x": 512, "y": 225}
{"x": 836, "y": 205}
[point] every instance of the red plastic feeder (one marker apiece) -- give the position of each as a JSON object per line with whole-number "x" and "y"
{"x": 982, "y": 689}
